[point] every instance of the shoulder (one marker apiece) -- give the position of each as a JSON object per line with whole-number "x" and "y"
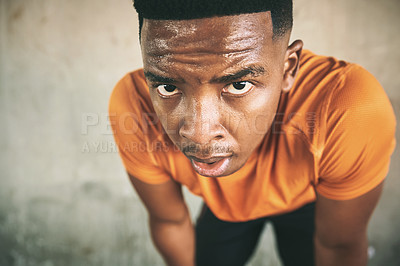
{"x": 358, "y": 137}
{"x": 319, "y": 65}
{"x": 345, "y": 118}
{"x": 130, "y": 106}
{"x": 128, "y": 91}
{"x": 359, "y": 102}
{"x": 137, "y": 131}
{"x": 330, "y": 89}
{"x": 304, "y": 107}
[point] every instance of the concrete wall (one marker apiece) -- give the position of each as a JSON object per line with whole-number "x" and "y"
{"x": 64, "y": 196}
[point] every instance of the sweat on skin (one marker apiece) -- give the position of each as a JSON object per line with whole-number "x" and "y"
{"x": 235, "y": 74}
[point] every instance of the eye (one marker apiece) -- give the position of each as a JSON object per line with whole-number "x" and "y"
{"x": 239, "y": 88}
{"x": 167, "y": 90}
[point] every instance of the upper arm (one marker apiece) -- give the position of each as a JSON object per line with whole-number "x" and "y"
{"x": 164, "y": 202}
{"x": 344, "y": 222}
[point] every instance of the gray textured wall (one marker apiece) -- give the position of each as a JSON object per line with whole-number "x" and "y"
{"x": 64, "y": 196}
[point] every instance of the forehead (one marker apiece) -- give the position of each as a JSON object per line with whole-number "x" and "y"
{"x": 223, "y": 35}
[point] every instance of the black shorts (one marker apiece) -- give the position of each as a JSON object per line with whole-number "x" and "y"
{"x": 223, "y": 243}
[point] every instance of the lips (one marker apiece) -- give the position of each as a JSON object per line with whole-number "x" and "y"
{"x": 212, "y": 166}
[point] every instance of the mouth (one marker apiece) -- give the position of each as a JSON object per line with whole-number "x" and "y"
{"x": 212, "y": 166}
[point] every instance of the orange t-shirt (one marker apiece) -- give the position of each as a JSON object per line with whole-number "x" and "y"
{"x": 333, "y": 133}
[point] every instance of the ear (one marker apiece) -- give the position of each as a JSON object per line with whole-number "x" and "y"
{"x": 291, "y": 65}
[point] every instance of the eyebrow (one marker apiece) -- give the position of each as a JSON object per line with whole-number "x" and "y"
{"x": 253, "y": 71}
{"x": 161, "y": 79}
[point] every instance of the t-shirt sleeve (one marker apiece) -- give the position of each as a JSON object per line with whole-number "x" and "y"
{"x": 136, "y": 135}
{"x": 359, "y": 139}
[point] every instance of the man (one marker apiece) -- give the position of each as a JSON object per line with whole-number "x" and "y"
{"x": 260, "y": 129}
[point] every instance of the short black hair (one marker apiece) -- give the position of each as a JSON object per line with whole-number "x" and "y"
{"x": 281, "y": 10}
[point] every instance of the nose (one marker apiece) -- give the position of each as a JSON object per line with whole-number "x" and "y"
{"x": 202, "y": 121}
